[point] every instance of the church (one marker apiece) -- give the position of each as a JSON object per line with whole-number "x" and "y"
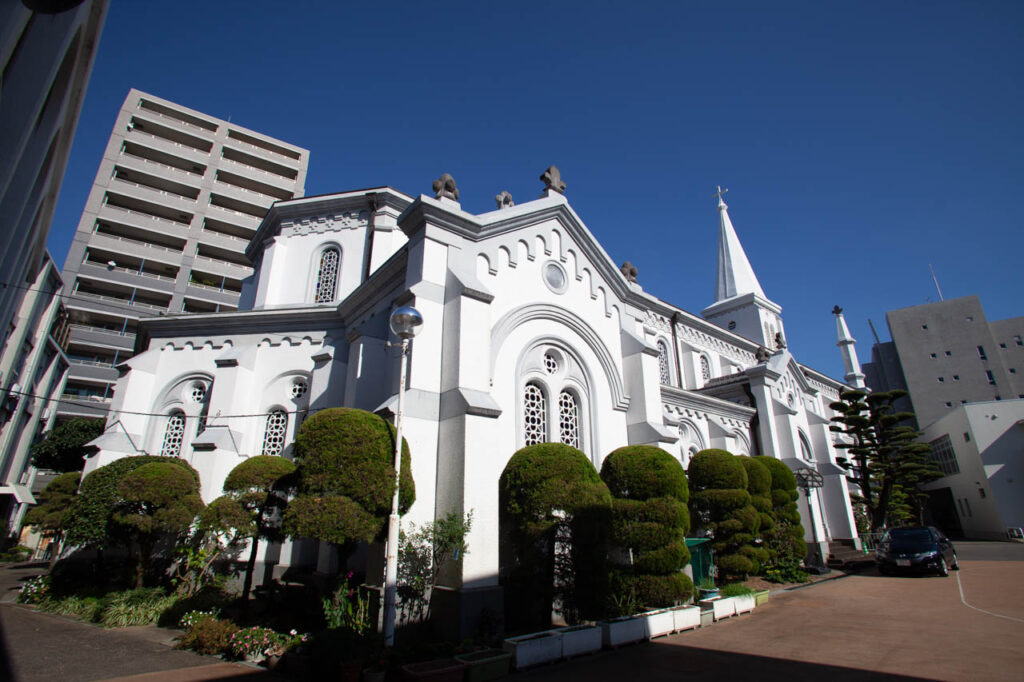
{"x": 531, "y": 333}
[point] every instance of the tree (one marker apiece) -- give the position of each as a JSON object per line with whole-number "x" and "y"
{"x": 63, "y": 448}
{"x": 54, "y": 508}
{"x": 422, "y": 553}
{"x": 784, "y": 541}
{"x": 345, "y": 478}
{"x": 256, "y": 486}
{"x": 157, "y": 499}
{"x": 554, "y": 514}
{"x": 649, "y": 525}
{"x": 885, "y": 460}
{"x": 722, "y": 505}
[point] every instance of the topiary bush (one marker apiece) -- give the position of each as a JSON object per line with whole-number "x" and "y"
{"x": 649, "y": 525}
{"x": 785, "y": 541}
{"x": 722, "y": 506}
{"x": 554, "y": 518}
{"x": 208, "y": 636}
{"x": 759, "y": 485}
{"x": 346, "y": 478}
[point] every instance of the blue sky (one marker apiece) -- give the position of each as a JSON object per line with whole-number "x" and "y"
{"x": 860, "y": 141}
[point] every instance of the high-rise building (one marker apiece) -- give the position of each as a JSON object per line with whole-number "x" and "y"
{"x": 948, "y": 354}
{"x": 177, "y": 197}
{"x": 47, "y": 52}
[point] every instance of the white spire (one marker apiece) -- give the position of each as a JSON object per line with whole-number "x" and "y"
{"x": 846, "y": 344}
{"x": 735, "y": 276}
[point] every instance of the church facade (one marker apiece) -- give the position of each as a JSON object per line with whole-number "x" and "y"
{"x": 531, "y": 334}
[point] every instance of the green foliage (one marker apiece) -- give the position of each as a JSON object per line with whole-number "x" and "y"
{"x": 53, "y": 511}
{"x": 422, "y": 553}
{"x": 34, "y": 590}
{"x": 783, "y": 541}
{"x": 91, "y": 521}
{"x": 346, "y": 477}
{"x": 884, "y": 456}
{"x": 134, "y": 607}
{"x": 649, "y": 524}
{"x": 63, "y": 448}
{"x": 735, "y": 590}
{"x": 723, "y": 506}
{"x": 555, "y": 511}
{"x": 208, "y": 636}
{"x": 348, "y": 608}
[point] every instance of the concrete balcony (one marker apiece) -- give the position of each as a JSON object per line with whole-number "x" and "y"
{"x": 174, "y": 148}
{"x": 92, "y": 373}
{"x": 212, "y": 294}
{"x": 143, "y": 220}
{"x": 172, "y": 201}
{"x": 237, "y": 217}
{"x": 224, "y": 241}
{"x": 73, "y": 405}
{"x": 222, "y": 267}
{"x": 258, "y": 174}
{"x": 143, "y": 165}
{"x": 136, "y": 247}
{"x": 172, "y": 121}
{"x": 128, "y": 278}
{"x": 245, "y": 195}
{"x": 101, "y": 338}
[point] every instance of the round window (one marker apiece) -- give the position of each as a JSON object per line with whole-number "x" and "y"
{"x": 198, "y": 392}
{"x": 299, "y": 389}
{"x": 555, "y": 278}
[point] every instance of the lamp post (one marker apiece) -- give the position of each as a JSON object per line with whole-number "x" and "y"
{"x": 405, "y": 323}
{"x": 809, "y": 478}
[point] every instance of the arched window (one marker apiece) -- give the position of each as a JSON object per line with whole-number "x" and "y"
{"x": 327, "y": 275}
{"x": 805, "y": 448}
{"x": 274, "y": 435}
{"x": 705, "y": 369}
{"x": 568, "y": 419}
{"x": 535, "y": 427}
{"x": 663, "y": 366}
{"x": 174, "y": 434}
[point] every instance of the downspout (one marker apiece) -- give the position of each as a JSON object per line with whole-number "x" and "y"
{"x": 675, "y": 349}
{"x": 755, "y": 421}
{"x": 371, "y": 200}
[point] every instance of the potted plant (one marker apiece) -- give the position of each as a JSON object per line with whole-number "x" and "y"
{"x": 534, "y": 649}
{"x": 707, "y": 589}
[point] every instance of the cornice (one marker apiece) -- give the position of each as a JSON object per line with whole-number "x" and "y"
{"x": 688, "y": 400}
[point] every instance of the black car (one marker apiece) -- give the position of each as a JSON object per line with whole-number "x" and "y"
{"x": 919, "y": 550}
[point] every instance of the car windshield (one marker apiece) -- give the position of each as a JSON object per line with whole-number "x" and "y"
{"x": 911, "y": 536}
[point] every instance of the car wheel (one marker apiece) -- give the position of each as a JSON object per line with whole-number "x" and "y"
{"x": 956, "y": 563}
{"x": 943, "y": 569}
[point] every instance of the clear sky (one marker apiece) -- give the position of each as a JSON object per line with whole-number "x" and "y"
{"x": 860, "y": 141}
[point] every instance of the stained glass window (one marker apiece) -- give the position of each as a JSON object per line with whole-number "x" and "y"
{"x": 277, "y": 428}
{"x": 568, "y": 419}
{"x": 705, "y": 369}
{"x": 174, "y": 434}
{"x": 663, "y": 363}
{"x": 327, "y": 278}
{"x": 534, "y": 415}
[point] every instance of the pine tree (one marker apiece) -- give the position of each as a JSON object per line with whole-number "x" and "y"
{"x": 885, "y": 460}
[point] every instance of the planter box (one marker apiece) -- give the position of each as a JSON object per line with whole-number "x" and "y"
{"x": 658, "y": 623}
{"x": 619, "y": 631}
{"x": 440, "y": 670}
{"x": 724, "y": 607}
{"x": 707, "y": 617}
{"x": 744, "y": 603}
{"x": 686, "y": 618}
{"x": 761, "y": 597}
{"x": 540, "y": 647}
{"x": 580, "y": 639}
{"x": 487, "y": 664}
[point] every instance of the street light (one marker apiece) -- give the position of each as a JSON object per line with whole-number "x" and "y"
{"x": 405, "y": 323}
{"x": 809, "y": 478}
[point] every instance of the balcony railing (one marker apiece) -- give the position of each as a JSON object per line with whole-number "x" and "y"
{"x": 90, "y": 363}
{"x": 101, "y": 330}
{"x": 239, "y": 166}
{"x": 191, "y": 126}
{"x": 223, "y": 235}
{"x": 140, "y": 242}
{"x": 165, "y": 192}
{"x": 188, "y": 147}
{"x": 261, "y": 195}
{"x": 233, "y": 141}
{"x": 131, "y": 271}
{"x": 151, "y": 162}
{"x": 120, "y": 301}
{"x": 85, "y": 398}
{"x": 149, "y": 216}
{"x": 223, "y": 263}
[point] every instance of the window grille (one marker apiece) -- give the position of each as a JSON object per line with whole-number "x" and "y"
{"x": 705, "y": 369}
{"x": 174, "y": 434}
{"x": 327, "y": 278}
{"x": 550, "y": 364}
{"x": 663, "y": 363}
{"x": 569, "y": 419}
{"x": 534, "y": 415}
{"x": 198, "y": 393}
{"x": 273, "y": 437}
{"x": 299, "y": 389}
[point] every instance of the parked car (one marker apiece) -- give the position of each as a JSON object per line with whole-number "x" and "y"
{"x": 915, "y": 550}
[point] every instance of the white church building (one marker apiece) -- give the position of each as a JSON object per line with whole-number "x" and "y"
{"x": 531, "y": 333}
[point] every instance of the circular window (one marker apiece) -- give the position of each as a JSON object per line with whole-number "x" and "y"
{"x": 198, "y": 392}
{"x": 550, "y": 363}
{"x": 555, "y": 278}
{"x": 299, "y": 388}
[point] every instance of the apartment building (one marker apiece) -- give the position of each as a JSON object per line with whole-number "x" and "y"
{"x": 34, "y": 368}
{"x": 46, "y": 58}
{"x": 176, "y": 199}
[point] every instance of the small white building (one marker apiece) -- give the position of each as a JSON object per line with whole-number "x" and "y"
{"x": 980, "y": 448}
{"x": 531, "y": 334}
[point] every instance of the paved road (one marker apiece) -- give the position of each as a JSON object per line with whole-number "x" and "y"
{"x": 863, "y": 627}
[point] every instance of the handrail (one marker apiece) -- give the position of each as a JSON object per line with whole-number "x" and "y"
{"x": 139, "y": 241}
{"x": 225, "y": 263}
{"x": 254, "y": 169}
{"x": 91, "y": 363}
{"x": 130, "y": 271}
{"x": 197, "y": 150}
{"x": 247, "y": 190}
{"x": 235, "y": 140}
{"x": 250, "y": 216}
{"x": 225, "y": 235}
{"x": 150, "y": 112}
{"x": 101, "y": 330}
{"x": 119, "y": 301}
{"x": 143, "y": 159}
{"x": 90, "y": 398}
{"x": 151, "y": 188}
{"x": 146, "y": 215}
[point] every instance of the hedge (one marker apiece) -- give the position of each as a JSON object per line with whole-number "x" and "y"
{"x": 723, "y": 504}
{"x": 786, "y": 544}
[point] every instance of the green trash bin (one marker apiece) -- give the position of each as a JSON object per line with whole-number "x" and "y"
{"x": 700, "y": 558}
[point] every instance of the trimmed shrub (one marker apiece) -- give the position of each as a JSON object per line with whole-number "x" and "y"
{"x": 554, "y": 513}
{"x": 135, "y": 607}
{"x": 785, "y": 544}
{"x": 208, "y": 636}
{"x": 735, "y": 590}
{"x": 649, "y": 524}
{"x": 722, "y": 505}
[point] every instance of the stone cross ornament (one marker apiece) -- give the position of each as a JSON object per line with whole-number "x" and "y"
{"x": 762, "y": 355}
{"x": 629, "y": 271}
{"x": 444, "y": 188}
{"x": 553, "y": 179}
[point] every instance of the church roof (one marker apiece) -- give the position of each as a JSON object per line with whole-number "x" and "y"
{"x": 735, "y": 276}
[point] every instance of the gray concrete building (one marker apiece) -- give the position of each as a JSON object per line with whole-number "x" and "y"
{"x": 176, "y": 199}
{"x": 47, "y": 52}
{"x": 947, "y": 354}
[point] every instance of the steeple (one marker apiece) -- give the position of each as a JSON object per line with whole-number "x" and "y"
{"x": 740, "y": 304}
{"x": 846, "y": 343}
{"x": 735, "y": 276}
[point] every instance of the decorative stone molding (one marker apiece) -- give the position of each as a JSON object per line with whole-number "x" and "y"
{"x": 707, "y": 342}
{"x": 444, "y": 188}
{"x": 504, "y": 200}
{"x": 552, "y": 179}
{"x": 629, "y": 271}
{"x": 319, "y": 224}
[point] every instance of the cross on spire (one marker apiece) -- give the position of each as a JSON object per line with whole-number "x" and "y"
{"x": 719, "y": 194}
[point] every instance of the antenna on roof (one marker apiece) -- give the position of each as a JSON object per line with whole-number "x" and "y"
{"x": 872, "y": 325}
{"x": 936, "y": 280}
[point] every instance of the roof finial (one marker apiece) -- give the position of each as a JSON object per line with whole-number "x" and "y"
{"x": 718, "y": 195}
